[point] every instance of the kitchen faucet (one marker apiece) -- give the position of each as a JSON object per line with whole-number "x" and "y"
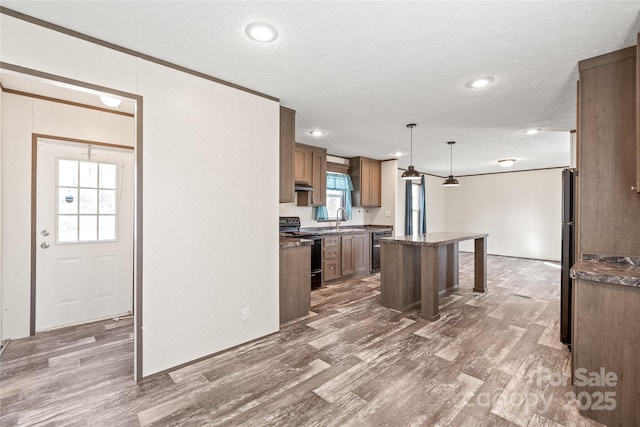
{"x": 338, "y": 217}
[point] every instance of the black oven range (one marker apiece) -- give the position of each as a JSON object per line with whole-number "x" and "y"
{"x": 290, "y": 227}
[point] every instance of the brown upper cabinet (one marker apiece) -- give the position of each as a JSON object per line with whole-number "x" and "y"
{"x": 311, "y": 169}
{"x": 303, "y": 164}
{"x": 366, "y": 175}
{"x": 638, "y": 116}
{"x": 287, "y": 145}
{"x": 608, "y": 203}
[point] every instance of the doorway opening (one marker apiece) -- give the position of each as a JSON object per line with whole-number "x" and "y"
{"x": 65, "y": 92}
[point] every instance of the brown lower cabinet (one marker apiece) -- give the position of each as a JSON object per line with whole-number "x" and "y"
{"x": 331, "y": 258}
{"x": 295, "y": 282}
{"x": 344, "y": 255}
{"x": 606, "y": 346}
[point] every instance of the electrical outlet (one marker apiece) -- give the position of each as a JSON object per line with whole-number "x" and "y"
{"x": 387, "y": 213}
{"x": 246, "y": 314}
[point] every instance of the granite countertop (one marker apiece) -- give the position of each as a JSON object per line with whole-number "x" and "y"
{"x": 344, "y": 229}
{"x": 291, "y": 242}
{"x": 616, "y": 270}
{"x": 432, "y": 239}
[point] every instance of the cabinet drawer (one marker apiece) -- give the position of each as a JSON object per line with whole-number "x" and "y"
{"x": 330, "y": 253}
{"x": 330, "y": 270}
{"x": 331, "y": 241}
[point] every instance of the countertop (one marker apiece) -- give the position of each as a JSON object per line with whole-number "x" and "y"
{"x": 344, "y": 229}
{"x": 292, "y": 242}
{"x": 617, "y": 270}
{"x": 432, "y": 239}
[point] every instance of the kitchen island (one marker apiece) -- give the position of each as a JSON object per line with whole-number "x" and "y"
{"x": 416, "y": 269}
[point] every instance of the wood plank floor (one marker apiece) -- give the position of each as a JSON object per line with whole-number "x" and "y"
{"x": 352, "y": 362}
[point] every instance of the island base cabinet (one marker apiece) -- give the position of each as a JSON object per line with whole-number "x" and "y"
{"x": 295, "y": 282}
{"x": 606, "y": 335}
{"x": 399, "y": 268}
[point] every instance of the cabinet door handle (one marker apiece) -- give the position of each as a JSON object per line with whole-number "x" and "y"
{"x": 634, "y": 188}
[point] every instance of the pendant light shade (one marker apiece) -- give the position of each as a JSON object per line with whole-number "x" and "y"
{"x": 411, "y": 173}
{"x": 451, "y": 181}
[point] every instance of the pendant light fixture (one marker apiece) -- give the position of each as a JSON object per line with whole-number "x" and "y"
{"x": 411, "y": 173}
{"x": 451, "y": 181}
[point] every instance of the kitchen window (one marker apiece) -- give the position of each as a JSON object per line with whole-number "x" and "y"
{"x": 335, "y": 201}
{"x": 338, "y": 195}
{"x": 415, "y": 208}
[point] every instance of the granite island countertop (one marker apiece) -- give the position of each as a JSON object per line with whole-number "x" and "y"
{"x": 432, "y": 239}
{"x": 617, "y": 270}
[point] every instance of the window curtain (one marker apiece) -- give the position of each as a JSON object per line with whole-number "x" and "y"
{"x": 408, "y": 203}
{"x": 423, "y": 205}
{"x": 341, "y": 182}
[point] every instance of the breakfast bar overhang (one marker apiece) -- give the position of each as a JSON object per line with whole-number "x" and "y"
{"x": 416, "y": 269}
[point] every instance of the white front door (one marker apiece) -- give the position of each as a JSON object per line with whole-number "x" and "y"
{"x": 84, "y": 226}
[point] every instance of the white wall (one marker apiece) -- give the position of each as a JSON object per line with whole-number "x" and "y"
{"x": 22, "y": 116}
{"x": 386, "y": 213}
{"x": 197, "y": 275}
{"x": 211, "y": 240}
{"x": 521, "y": 211}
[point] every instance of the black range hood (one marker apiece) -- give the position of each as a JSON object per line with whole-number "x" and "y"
{"x": 303, "y": 186}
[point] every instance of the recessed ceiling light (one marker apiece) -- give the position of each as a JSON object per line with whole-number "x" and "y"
{"x": 481, "y": 82}
{"x": 110, "y": 101}
{"x": 261, "y": 32}
{"x": 505, "y": 163}
{"x": 532, "y": 131}
{"x": 316, "y": 132}
{"x": 397, "y": 154}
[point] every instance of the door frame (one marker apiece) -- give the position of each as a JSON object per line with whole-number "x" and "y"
{"x": 34, "y": 197}
{"x": 137, "y": 203}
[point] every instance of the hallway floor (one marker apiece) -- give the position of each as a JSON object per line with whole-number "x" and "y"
{"x": 352, "y": 362}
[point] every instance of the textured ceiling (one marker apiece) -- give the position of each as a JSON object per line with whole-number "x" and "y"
{"x": 362, "y": 70}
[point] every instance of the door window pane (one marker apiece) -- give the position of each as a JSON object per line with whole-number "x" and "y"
{"x": 107, "y": 202}
{"x": 68, "y": 173}
{"x": 88, "y": 174}
{"x": 67, "y": 228}
{"x": 87, "y": 201}
{"x": 67, "y": 200}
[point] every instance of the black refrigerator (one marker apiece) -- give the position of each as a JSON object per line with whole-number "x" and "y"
{"x": 568, "y": 252}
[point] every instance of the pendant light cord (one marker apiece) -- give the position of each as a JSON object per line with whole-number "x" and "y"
{"x": 411, "y": 144}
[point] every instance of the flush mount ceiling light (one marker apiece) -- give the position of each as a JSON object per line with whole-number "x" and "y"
{"x": 397, "y": 154}
{"x": 110, "y": 101}
{"x": 481, "y": 82}
{"x": 505, "y": 163}
{"x": 451, "y": 181}
{"x": 316, "y": 132}
{"x": 532, "y": 131}
{"x": 261, "y": 32}
{"x": 411, "y": 173}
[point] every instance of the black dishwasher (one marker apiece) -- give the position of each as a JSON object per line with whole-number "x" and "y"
{"x": 375, "y": 248}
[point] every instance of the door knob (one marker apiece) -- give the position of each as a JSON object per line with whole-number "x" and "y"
{"x": 44, "y": 233}
{"x": 44, "y": 245}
